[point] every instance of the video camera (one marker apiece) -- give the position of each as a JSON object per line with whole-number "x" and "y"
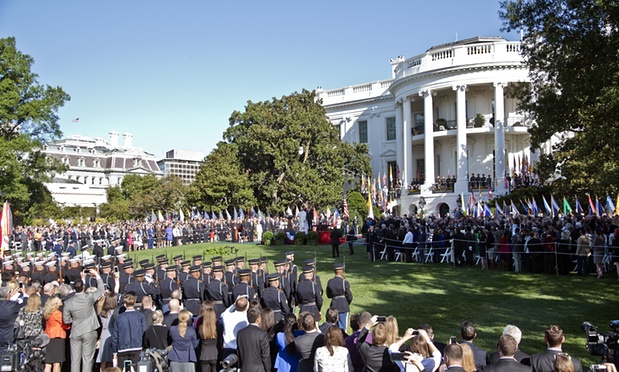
{"x": 154, "y": 360}
{"x": 605, "y": 344}
{"x": 24, "y": 355}
{"x": 229, "y": 362}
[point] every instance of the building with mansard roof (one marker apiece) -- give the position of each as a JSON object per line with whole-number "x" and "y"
{"x": 443, "y": 114}
{"x": 94, "y": 166}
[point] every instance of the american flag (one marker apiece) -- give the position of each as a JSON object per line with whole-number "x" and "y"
{"x": 345, "y": 208}
{"x": 76, "y": 120}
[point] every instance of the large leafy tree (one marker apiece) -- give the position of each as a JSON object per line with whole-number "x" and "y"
{"x": 292, "y": 154}
{"x": 221, "y": 181}
{"x": 28, "y": 117}
{"x": 571, "y": 49}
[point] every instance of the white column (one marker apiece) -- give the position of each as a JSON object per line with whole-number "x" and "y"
{"x": 428, "y": 151}
{"x": 499, "y": 137}
{"x": 408, "y": 149}
{"x": 462, "y": 160}
{"x": 400, "y": 149}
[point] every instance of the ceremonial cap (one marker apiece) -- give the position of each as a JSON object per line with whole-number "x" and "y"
{"x": 273, "y": 277}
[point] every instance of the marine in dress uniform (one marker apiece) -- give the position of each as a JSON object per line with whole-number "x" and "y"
{"x": 274, "y": 298}
{"x": 168, "y": 284}
{"x": 52, "y": 274}
{"x": 284, "y": 278}
{"x": 193, "y": 290}
{"x": 309, "y": 294}
{"x": 217, "y": 291}
{"x": 338, "y": 290}
{"x": 243, "y": 288}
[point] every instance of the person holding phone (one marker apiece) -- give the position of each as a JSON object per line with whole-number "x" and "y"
{"x": 422, "y": 353}
{"x": 375, "y": 355}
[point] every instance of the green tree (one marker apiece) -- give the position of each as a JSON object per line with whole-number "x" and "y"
{"x": 292, "y": 154}
{"x": 571, "y": 49}
{"x": 220, "y": 182}
{"x": 28, "y": 117}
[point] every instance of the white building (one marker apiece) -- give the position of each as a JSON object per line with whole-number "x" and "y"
{"x": 95, "y": 165}
{"x": 181, "y": 163}
{"x": 423, "y": 119}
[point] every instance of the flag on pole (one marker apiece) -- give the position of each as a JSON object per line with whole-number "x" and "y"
{"x": 547, "y": 206}
{"x": 369, "y": 205}
{"x": 487, "y": 211}
{"x": 6, "y": 227}
{"x": 181, "y": 215}
{"x": 498, "y": 209}
{"x": 76, "y": 120}
{"x": 535, "y": 207}
{"x": 160, "y": 216}
{"x": 591, "y": 206}
{"x": 153, "y": 217}
{"x": 391, "y": 175}
{"x": 514, "y": 210}
{"x": 472, "y": 204}
{"x": 345, "y": 209}
{"x": 205, "y": 215}
{"x": 228, "y": 217}
{"x": 610, "y": 206}
{"x": 598, "y": 206}
{"x": 462, "y": 204}
{"x": 241, "y": 214}
{"x": 566, "y": 206}
{"x": 336, "y": 216}
{"x": 259, "y": 215}
{"x": 579, "y": 209}
{"x": 554, "y": 205}
{"x": 235, "y": 214}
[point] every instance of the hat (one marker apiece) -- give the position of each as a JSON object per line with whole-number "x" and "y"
{"x": 263, "y": 259}
{"x": 160, "y": 256}
{"x": 216, "y": 258}
{"x": 89, "y": 264}
{"x": 185, "y": 263}
{"x": 254, "y": 261}
{"x": 121, "y": 256}
{"x": 230, "y": 262}
{"x": 194, "y": 269}
{"x": 308, "y": 269}
{"x": 206, "y": 264}
{"x": 338, "y": 266}
{"x": 290, "y": 253}
{"x": 178, "y": 257}
{"x": 8, "y": 262}
{"x": 143, "y": 262}
{"x": 74, "y": 260}
{"x": 24, "y": 265}
{"x": 239, "y": 259}
{"x": 105, "y": 265}
{"x": 148, "y": 266}
{"x": 127, "y": 265}
{"x": 39, "y": 263}
{"x": 170, "y": 269}
{"x": 197, "y": 257}
{"x": 119, "y": 248}
{"x": 49, "y": 264}
{"x": 106, "y": 257}
{"x": 139, "y": 273}
{"x": 273, "y": 277}
{"x": 279, "y": 263}
{"x": 244, "y": 272}
{"x": 218, "y": 269}
{"x": 310, "y": 261}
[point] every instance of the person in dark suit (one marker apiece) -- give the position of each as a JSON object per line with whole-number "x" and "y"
{"x": 453, "y": 358}
{"x": 468, "y": 333}
{"x": 307, "y": 343}
{"x": 545, "y": 361}
{"x": 515, "y": 332}
{"x": 507, "y": 363}
{"x": 336, "y": 234}
{"x": 253, "y": 345}
{"x": 156, "y": 335}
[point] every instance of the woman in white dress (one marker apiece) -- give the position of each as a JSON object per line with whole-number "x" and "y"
{"x": 334, "y": 356}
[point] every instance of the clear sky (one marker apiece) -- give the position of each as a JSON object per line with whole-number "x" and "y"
{"x": 172, "y": 72}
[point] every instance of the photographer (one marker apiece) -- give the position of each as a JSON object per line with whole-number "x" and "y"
{"x": 375, "y": 355}
{"x": 422, "y": 354}
{"x": 8, "y": 314}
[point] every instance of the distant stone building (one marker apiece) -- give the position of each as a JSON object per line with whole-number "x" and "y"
{"x": 94, "y": 166}
{"x": 181, "y": 163}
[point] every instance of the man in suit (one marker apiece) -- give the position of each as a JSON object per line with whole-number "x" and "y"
{"x": 453, "y": 358}
{"x": 79, "y": 311}
{"x": 507, "y": 349}
{"x": 545, "y": 361}
{"x": 516, "y": 333}
{"x": 253, "y": 345}
{"x": 307, "y": 343}
{"x": 468, "y": 333}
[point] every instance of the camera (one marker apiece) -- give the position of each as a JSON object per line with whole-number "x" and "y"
{"x": 597, "y": 367}
{"x": 453, "y": 340}
{"x": 398, "y": 356}
{"x": 381, "y": 319}
{"x": 605, "y": 344}
{"x": 229, "y": 361}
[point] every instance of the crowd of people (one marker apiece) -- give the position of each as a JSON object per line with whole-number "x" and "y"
{"x": 535, "y": 244}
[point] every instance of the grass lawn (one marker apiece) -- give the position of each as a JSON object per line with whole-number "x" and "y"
{"x": 444, "y": 296}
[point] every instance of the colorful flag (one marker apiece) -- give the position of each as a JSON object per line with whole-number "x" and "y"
{"x": 153, "y": 217}
{"x": 181, "y": 215}
{"x": 579, "y": 209}
{"x": 547, "y": 206}
{"x": 514, "y": 210}
{"x": 610, "y": 206}
{"x": 566, "y": 206}
{"x": 206, "y": 216}
{"x": 487, "y": 211}
{"x": 76, "y": 120}
{"x": 6, "y": 227}
{"x": 370, "y": 209}
{"x": 535, "y": 207}
{"x": 464, "y": 211}
{"x": 598, "y": 206}
{"x": 160, "y": 216}
{"x": 259, "y": 214}
{"x": 345, "y": 209}
{"x": 498, "y": 209}
{"x": 554, "y": 205}
{"x": 228, "y": 217}
{"x": 336, "y": 216}
{"x": 241, "y": 214}
{"x": 235, "y": 214}
{"x": 591, "y": 206}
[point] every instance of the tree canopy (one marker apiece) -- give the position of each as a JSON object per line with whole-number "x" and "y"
{"x": 571, "y": 49}
{"x": 289, "y": 153}
{"x": 28, "y": 116}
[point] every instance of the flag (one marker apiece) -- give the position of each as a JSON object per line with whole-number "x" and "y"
{"x": 153, "y": 218}
{"x": 336, "y": 216}
{"x": 462, "y": 203}
{"x": 345, "y": 209}
{"x": 235, "y": 214}
{"x": 167, "y": 216}
{"x": 296, "y": 211}
{"x": 498, "y": 209}
{"x": 6, "y": 227}
{"x": 472, "y": 204}
{"x": 579, "y": 209}
{"x": 241, "y": 214}
{"x": 591, "y": 206}
{"x": 76, "y": 120}
{"x": 566, "y": 206}
{"x": 487, "y": 211}
{"x": 526, "y": 208}
{"x": 259, "y": 215}
{"x": 160, "y": 216}
{"x": 617, "y": 205}
{"x": 514, "y": 210}
{"x": 554, "y": 205}
{"x": 535, "y": 207}
{"x": 206, "y": 216}
{"x": 489, "y": 193}
{"x": 547, "y": 206}
{"x": 228, "y": 217}
{"x": 610, "y": 206}
{"x": 385, "y": 178}
{"x": 390, "y": 175}
{"x": 369, "y": 205}
{"x": 288, "y": 211}
{"x": 598, "y": 206}
{"x": 181, "y": 215}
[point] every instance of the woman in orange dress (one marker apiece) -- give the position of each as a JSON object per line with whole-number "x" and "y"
{"x": 57, "y": 332}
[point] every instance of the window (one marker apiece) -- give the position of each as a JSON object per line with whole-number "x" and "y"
{"x": 338, "y": 127}
{"x": 363, "y": 131}
{"x": 390, "y": 124}
{"x": 80, "y": 162}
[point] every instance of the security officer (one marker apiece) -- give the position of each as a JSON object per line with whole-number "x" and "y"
{"x": 243, "y": 288}
{"x": 309, "y": 295}
{"x": 338, "y": 290}
{"x": 52, "y": 274}
{"x": 90, "y": 281}
{"x": 217, "y": 291}
{"x": 162, "y": 265}
{"x": 193, "y": 290}
{"x": 168, "y": 285}
{"x": 275, "y": 298}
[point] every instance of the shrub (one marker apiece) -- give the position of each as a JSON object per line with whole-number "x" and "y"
{"x": 300, "y": 238}
{"x": 312, "y": 238}
{"x": 267, "y": 237}
{"x": 279, "y": 238}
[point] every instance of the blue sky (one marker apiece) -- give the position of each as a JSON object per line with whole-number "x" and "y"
{"x": 172, "y": 72}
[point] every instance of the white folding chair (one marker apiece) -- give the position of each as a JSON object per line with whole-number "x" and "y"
{"x": 446, "y": 256}
{"x": 429, "y": 256}
{"x": 416, "y": 254}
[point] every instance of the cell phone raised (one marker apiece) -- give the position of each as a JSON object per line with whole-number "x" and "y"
{"x": 381, "y": 319}
{"x": 453, "y": 340}
{"x": 398, "y": 356}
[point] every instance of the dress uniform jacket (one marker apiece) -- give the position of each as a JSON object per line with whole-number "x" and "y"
{"x": 193, "y": 292}
{"x": 309, "y": 298}
{"x": 275, "y": 299}
{"x": 217, "y": 292}
{"x": 338, "y": 290}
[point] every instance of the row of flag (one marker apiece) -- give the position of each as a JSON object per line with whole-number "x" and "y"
{"x": 551, "y": 207}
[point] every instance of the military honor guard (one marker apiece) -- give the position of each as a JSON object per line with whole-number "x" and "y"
{"x": 309, "y": 294}
{"x": 338, "y": 290}
{"x": 168, "y": 285}
{"x": 243, "y": 288}
{"x": 275, "y": 298}
{"x": 193, "y": 290}
{"x": 217, "y": 291}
